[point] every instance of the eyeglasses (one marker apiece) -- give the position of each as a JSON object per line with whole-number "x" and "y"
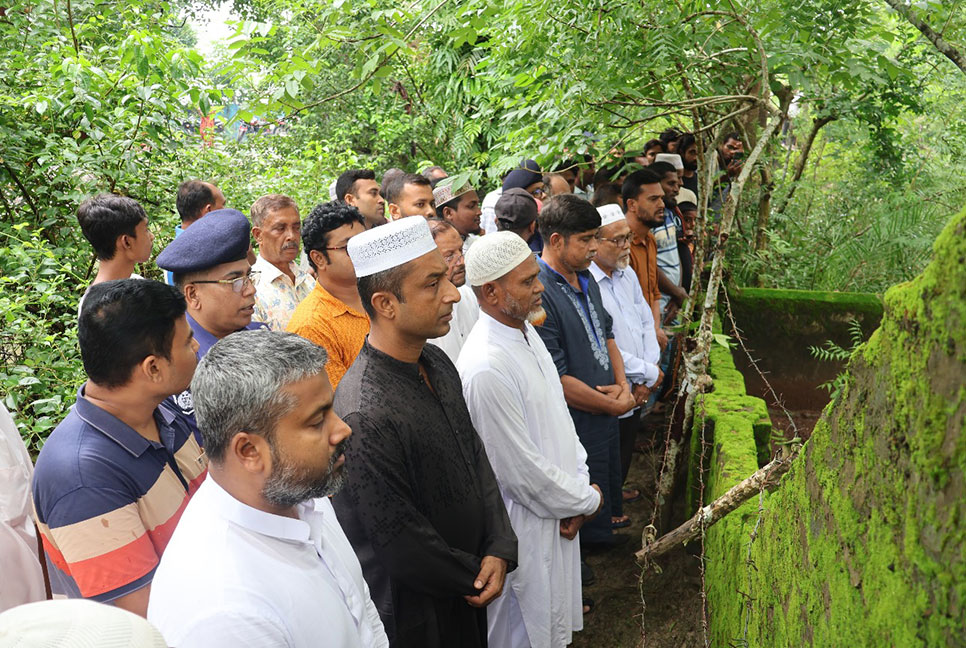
{"x": 237, "y": 285}
{"x": 539, "y": 193}
{"x": 619, "y": 241}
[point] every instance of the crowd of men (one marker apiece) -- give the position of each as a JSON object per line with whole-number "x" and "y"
{"x": 401, "y": 423}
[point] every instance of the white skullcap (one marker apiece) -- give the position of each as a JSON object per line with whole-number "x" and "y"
{"x": 610, "y": 214}
{"x": 686, "y": 196}
{"x": 390, "y": 245}
{"x": 332, "y": 194}
{"x": 77, "y": 623}
{"x": 494, "y": 255}
{"x": 673, "y": 158}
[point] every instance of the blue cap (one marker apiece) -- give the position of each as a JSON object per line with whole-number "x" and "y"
{"x": 523, "y": 176}
{"x": 221, "y": 236}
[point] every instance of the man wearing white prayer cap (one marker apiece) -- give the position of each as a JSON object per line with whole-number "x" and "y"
{"x": 517, "y": 405}
{"x": 420, "y": 504}
{"x": 634, "y": 330}
{"x": 76, "y": 623}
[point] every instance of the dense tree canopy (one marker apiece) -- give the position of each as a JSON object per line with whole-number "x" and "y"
{"x": 867, "y": 101}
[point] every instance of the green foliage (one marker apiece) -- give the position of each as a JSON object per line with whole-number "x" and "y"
{"x": 832, "y": 352}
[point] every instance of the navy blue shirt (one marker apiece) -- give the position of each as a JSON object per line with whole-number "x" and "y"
{"x": 576, "y": 333}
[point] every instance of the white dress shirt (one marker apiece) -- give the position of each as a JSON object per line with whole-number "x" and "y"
{"x": 465, "y": 313}
{"x": 516, "y": 401}
{"x": 633, "y": 324}
{"x": 233, "y": 575}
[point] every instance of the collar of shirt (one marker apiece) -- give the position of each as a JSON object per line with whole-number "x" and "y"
{"x": 336, "y": 305}
{"x": 304, "y": 529}
{"x": 268, "y": 272}
{"x": 583, "y": 278}
{"x": 408, "y": 370}
{"x": 206, "y": 340}
{"x": 122, "y": 433}
{"x": 508, "y": 333}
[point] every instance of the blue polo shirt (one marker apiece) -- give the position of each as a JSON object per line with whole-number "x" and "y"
{"x": 107, "y": 499}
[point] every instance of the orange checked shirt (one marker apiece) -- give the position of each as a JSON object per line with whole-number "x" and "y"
{"x": 644, "y": 264}
{"x": 339, "y": 329}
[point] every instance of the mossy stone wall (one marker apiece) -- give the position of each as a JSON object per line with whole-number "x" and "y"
{"x": 779, "y": 326}
{"x": 864, "y": 542}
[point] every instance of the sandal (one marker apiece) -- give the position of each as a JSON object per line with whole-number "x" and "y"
{"x": 631, "y": 495}
{"x": 620, "y": 522}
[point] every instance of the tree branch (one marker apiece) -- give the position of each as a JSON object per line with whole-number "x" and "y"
{"x": 936, "y": 39}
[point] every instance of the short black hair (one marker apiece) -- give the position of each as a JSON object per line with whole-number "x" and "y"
{"x": 606, "y": 194}
{"x": 668, "y": 136}
{"x": 631, "y": 188}
{"x": 733, "y": 135}
{"x": 348, "y": 179}
{"x": 124, "y": 321}
{"x": 567, "y": 214}
{"x": 649, "y": 144}
{"x": 323, "y": 219}
{"x": 386, "y": 281}
{"x": 396, "y": 184}
{"x": 104, "y": 217}
{"x": 662, "y": 168}
{"x": 685, "y": 142}
{"x": 193, "y": 196}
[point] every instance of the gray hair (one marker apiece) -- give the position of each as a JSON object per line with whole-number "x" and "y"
{"x": 268, "y": 205}
{"x": 238, "y": 385}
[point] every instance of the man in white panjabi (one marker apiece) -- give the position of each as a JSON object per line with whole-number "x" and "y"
{"x": 516, "y": 401}
{"x": 259, "y": 557}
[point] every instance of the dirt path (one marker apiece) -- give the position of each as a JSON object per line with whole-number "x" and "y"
{"x": 672, "y": 617}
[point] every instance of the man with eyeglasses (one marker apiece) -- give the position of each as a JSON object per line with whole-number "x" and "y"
{"x": 209, "y": 265}
{"x": 332, "y": 315}
{"x": 466, "y": 311}
{"x": 623, "y": 299}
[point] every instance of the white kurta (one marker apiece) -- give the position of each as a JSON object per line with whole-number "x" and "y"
{"x": 465, "y": 313}
{"x": 233, "y": 575}
{"x": 516, "y": 401}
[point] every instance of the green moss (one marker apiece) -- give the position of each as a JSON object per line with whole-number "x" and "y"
{"x": 864, "y": 544}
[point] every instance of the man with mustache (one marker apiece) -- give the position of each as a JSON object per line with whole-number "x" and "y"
{"x": 280, "y": 285}
{"x": 260, "y": 558}
{"x": 466, "y": 311}
{"x": 209, "y": 264}
{"x": 421, "y": 505}
{"x": 518, "y": 406}
{"x": 634, "y": 333}
{"x": 579, "y": 335}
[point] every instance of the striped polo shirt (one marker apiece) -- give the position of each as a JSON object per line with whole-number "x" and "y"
{"x": 107, "y": 499}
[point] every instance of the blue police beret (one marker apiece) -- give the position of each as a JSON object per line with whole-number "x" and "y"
{"x": 221, "y": 236}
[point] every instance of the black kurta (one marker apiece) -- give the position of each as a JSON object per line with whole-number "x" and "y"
{"x": 420, "y": 505}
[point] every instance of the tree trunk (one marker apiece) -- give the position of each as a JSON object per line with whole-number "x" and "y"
{"x": 764, "y": 208}
{"x": 936, "y": 39}
{"x": 817, "y": 125}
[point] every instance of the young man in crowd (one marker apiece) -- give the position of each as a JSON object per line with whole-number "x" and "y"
{"x": 332, "y": 316}
{"x": 115, "y": 475}
{"x": 461, "y": 209}
{"x": 518, "y": 407}
{"x": 280, "y": 285}
{"x": 527, "y": 176}
{"x": 410, "y": 194}
{"x": 688, "y": 150}
{"x": 666, "y": 238}
{"x": 258, "y": 558}
{"x": 117, "y": 229}
{"x": 578, "y": 334}
{"x": 644, "y": 208}
{"x": 421, "y": 505}
{"x": 358, "y": 188}
{"x": 195, "y": 200}
{"x": 465, "y": 311}
{"x": 516, "y": 211}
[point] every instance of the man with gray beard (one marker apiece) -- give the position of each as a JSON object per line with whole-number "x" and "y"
{"x": 261, "y": 560}
{"x": 517, "y": 405}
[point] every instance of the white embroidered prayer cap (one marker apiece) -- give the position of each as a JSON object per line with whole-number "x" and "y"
{"x": 390, "y": 245}
{"x": 610, "y": 214}
{"x": 673, "y": 158}
{"x": 494, "y": 255}
{"x": 78, "y": 623}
